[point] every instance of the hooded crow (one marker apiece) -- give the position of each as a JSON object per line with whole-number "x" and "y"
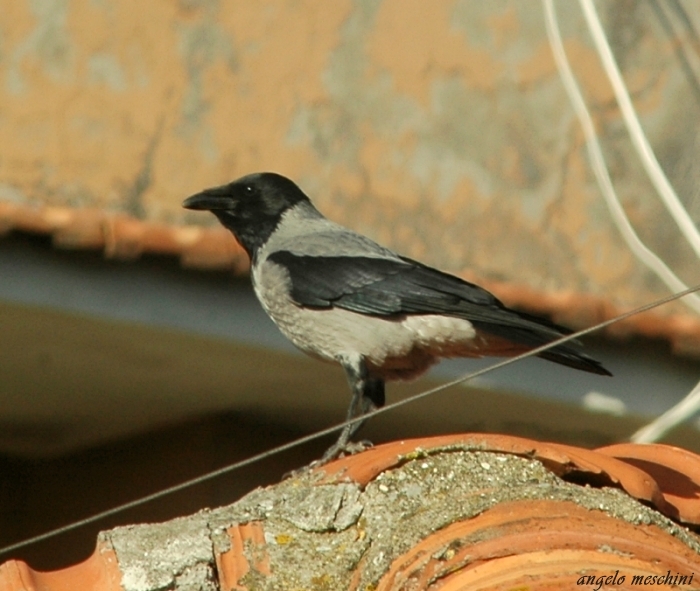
{"x": 343, "y": 298}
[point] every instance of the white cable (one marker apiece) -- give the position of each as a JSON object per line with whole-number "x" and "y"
{"x": 675, "y": 415}
{"x": 644, "y": 254}
{"x": 634, "y": 128}
{"x": 691, "y": 403}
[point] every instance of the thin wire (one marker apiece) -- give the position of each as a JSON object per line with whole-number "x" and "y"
{"x": 595, "y": 154}
{"x": 318, "y": 434}
{"x": 634, "y": 128}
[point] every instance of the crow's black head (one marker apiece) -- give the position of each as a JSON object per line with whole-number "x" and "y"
{"x": 250, "y": 207}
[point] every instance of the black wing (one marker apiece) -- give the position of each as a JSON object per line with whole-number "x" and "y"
{"x": 394, "y": 288}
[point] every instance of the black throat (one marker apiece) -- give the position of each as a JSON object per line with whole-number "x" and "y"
{"x": 251, "y": 234}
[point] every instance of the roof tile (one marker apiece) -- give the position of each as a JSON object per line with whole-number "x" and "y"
{"x": 100, "y": 572}
{"x": 676, "y": 470}
{"x": 613, "y": 466}
{"x": 536, "y": 543}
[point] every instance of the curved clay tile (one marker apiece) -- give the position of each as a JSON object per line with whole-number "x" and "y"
{"x": 534, "y": 545}
{"x": 100, "y": 572}
{"x": 676, "y": 470}
{"x": 473, "y": 511}
{"x": 233, "y": 566}
{"x": 576, "y": 463}
{"x": 588, "y": 464}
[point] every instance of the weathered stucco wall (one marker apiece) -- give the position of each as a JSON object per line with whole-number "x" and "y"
{"x": 441, "y": 129}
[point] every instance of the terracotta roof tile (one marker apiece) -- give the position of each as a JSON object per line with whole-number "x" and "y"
{"x": 676, "y": 470}
{"x": 100, "y": 572}
{"x": 233, "y": 565}
{"x": 535, "y": 545}
{"x": 528, "y": 541}
{"x": 597, "y": 468}
{"x": 603, "y": 467}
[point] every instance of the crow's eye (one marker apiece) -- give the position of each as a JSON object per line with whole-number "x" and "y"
{"x": 249, "y": 190}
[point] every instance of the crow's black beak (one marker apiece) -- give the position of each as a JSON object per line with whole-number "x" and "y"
{"x": 210, "y": 199}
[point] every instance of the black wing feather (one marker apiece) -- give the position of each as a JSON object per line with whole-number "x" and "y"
{"x": 378, "y": 286}
{"x": 390, "y": 287}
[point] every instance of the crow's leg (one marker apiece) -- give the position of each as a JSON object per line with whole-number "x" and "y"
{"x": 367, "y": 395}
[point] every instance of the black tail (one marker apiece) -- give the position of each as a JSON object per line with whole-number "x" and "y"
{"x": 566, "y": 356}
{"x": 540, "y": 332}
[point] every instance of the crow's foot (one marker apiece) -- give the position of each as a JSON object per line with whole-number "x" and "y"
{"x": 334, "y": 452}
